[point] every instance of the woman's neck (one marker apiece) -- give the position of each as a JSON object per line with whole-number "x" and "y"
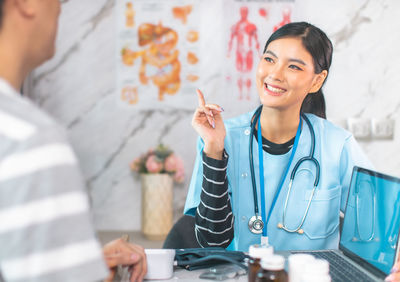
{"x": 279, "y": 126}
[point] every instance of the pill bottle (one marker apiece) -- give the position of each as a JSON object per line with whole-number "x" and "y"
{"x": 296, "y": 265}
{"x": 316, "y": 271}
{"x": 272, "y": 269}
{"x": 256, "y": 252}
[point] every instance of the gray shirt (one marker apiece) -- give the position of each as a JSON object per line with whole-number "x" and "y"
{"x": 46, "y": 229}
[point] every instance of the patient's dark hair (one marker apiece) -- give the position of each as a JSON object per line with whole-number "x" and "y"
{"x": 320, "y": 47}
{"x": 1, "y": 11}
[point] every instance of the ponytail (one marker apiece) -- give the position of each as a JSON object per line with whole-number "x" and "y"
{"x": 314, "y": 103}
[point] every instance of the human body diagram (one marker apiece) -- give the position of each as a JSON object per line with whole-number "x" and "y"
{"x": 247, "y": 44}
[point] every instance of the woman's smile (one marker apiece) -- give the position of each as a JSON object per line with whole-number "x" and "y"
{"x": 274, "y": 90}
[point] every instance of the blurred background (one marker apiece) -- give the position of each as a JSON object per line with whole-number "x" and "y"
{"x": 94, "y": 88}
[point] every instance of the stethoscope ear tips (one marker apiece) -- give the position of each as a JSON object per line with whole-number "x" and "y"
{"x": 300, "y": 231}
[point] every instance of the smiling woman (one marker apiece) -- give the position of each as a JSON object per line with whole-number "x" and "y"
{"x": 280, "y": 195}
{"x": 286, "y": 75}
{"x": 318, "y": 59}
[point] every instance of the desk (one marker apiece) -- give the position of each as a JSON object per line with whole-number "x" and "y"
{"x": 137, "y": 237}
{"x": 185, "y": 275}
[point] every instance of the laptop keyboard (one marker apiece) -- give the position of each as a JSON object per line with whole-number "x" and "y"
{"x": 341, "y": 270}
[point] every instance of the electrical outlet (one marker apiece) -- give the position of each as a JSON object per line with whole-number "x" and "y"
{"x": 360, "y": 127}
{"x": 382, "y": 128}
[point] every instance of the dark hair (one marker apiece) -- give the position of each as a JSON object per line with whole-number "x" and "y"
{"x": 320, "y": 47}
{"x": 1, "y": 11}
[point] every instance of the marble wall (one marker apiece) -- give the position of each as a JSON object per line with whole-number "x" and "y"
{"x": 78, "y": 88}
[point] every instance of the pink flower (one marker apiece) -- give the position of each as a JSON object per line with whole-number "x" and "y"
{"x": 175, "y": 164}
{"x": 171, "y": 163}
{"x": 153, "y": 165}
{"x": 135, "y": 165}
{"x": 179, "y": 176}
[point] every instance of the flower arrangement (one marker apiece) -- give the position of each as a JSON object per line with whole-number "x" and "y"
{"x": 160, "y": 160}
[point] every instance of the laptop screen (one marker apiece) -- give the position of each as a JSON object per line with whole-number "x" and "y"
{"x": 372, "y": 220}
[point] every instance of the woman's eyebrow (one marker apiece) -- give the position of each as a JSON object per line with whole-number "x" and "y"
{"x": 297, "y": 61}
{"x": 272, "y": 53}
{"x": 290, "y": 60}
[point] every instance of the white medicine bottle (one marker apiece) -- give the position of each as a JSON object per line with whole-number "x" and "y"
{"x": 272, "y": 269}
{"x": 316, "y": 271}
{"x": 297, "y": 263}
{"x": 256, "y": 252}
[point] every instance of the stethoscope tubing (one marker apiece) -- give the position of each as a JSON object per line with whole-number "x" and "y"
{"x": 253, "y": 177}
{"x": 310, "y": 157}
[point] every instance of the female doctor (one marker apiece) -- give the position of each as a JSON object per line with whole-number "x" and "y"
{"x": 282, "y": 171}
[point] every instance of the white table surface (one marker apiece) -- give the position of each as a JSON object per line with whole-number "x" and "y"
{"x": 185, "y": 275}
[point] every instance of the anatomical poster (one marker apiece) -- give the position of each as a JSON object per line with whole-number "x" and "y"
{"x": 248, "y": 24}
{"x": 157, "y": 53}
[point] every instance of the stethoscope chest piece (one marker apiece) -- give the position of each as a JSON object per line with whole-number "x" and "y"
{"x": 256, "y": 224}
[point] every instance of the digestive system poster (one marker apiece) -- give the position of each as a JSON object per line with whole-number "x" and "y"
{"x": 157, "y": 53}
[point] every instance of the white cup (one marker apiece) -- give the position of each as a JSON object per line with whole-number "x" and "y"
{"x": 160, "y": 263}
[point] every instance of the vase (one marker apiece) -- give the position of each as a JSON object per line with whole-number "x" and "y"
{"x": 157, "y": 211}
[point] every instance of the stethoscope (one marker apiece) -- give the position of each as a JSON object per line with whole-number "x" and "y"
{"x": 357, "y": 235}
{"x": 257, "y": 222}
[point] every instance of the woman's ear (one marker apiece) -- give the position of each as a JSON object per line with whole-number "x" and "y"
{"x": 318, "y": 81}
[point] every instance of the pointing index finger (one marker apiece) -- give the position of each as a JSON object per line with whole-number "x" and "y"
{"x": 202, "y": 102}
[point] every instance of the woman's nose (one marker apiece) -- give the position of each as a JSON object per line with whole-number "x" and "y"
{"x": 276, "y": 72}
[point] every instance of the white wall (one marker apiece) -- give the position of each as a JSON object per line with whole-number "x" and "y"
{"x": 78, "y": 87}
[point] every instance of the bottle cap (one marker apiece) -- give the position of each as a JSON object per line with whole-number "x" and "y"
{"x": 274, "y": 262}
{"x": 319, "y": 267}
{"x": 300, "y": 259}
{"x": 296, "y": 265}
{"x": 315, "y": 278}
{"x": 259, "y": 251}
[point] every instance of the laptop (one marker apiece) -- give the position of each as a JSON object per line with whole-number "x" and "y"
{"x": 369, "y": 242}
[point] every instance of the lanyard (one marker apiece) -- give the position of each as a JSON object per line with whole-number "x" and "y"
{"x": 261, "y": 167}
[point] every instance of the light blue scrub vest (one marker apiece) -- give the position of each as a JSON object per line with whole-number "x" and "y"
{"x": 337, "y": 153}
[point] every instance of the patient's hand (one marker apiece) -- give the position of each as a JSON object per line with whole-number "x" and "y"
{"x": 395, "y": 275}
{"x": 120, "y": 252}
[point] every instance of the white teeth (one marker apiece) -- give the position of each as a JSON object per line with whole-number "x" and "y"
{"x": 273, "y": 89}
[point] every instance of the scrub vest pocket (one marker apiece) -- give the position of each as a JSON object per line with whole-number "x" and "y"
{"x": 324, "y": 210}
{"x": 322, "y": 218}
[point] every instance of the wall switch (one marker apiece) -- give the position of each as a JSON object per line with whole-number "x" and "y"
{"x": 382, "y": 128}
{"x": 360, "y": 127}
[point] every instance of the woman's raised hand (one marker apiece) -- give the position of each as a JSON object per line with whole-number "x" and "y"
{"x": 208, "y": 123}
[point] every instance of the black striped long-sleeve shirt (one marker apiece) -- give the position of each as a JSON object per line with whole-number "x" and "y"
{"x": 214, "y": 218}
